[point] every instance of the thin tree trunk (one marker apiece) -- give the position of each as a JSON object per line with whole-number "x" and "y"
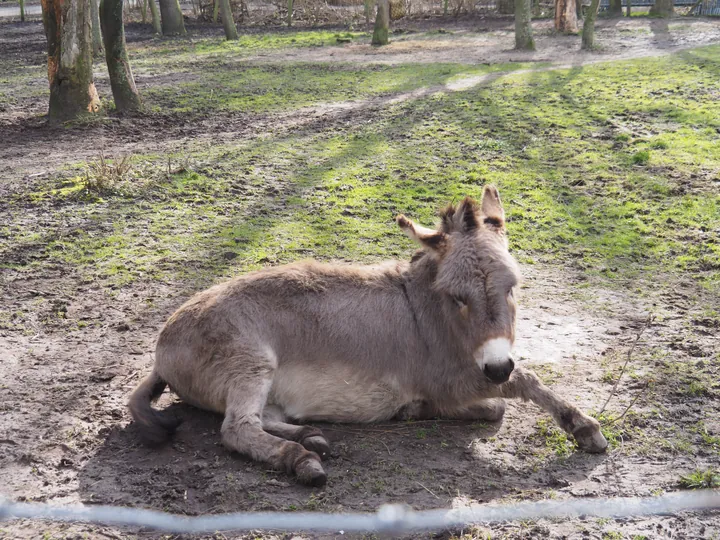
{"x": 155, "y": 13}
{"x": 216, "y": 9}
{"x": 96, "y": 34}
{"x": 445, "y": 8}
{"x": 565, "y": 18}
{"x": 578, "y": 10}
{"x": 628, "y": 7}
{"x": 290, "y": 10}
{"x": 523, "y": 26}
{"x": 172, "y": 18}
{"x": 368, "y": 11}
{"x": 143, "y": 14}
{"x": 67, "y": 27}
{"x": 615, "y": 8}
{"x": 382, "y": 23}
{"x": 588, "y": 33}
{"x": 22, "y": 10}
{"x": 228, "y": 21}
{"x": 662, "y": 8}
{"x": 121, "y": 78}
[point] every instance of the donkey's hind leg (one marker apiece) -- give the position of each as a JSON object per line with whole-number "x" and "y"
{"x": 526, "y": 385}
{"x": 242, "y": 431}
{"x": 310, "y": 437}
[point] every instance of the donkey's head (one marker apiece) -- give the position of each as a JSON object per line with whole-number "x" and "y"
{"x": 476, "y": 277}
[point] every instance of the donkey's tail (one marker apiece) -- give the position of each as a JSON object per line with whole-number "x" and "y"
{"x": 155, "y": 427}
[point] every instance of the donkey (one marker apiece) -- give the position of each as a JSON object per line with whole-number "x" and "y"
{"x": 339, "y": 343}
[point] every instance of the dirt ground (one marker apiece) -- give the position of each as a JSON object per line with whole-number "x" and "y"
{"x": 65, "y": 434}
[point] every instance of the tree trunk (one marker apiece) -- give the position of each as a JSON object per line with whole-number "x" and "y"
{"x": 628, "y": 7}
{"x": 67, "y": 27}
{"x": 121, "y": 78}
{"x": 96, "y": 34}
{"x": 172, "y": 18}
{"x": 143, "y": 13}
{"x": 155, "y": 12}
{"x": 445, "y": 8}
{"x": 368, "y": 11}
{"x": 615, "y": 8}
{"x": 662, "y": 8}
{"x": 588, "y": 33}
{"x": 523, "y": 28}
{"x": 578, "y": 10}
{"x": 382, "y": 23}
{"x": 290, "y": 10}
{"x": 565, "y": 18}
{"x": 505, "y": 7}
{"x": 216, "y": 9}
{"x": 22, "y": 10}
{"x": 228, "y": 20}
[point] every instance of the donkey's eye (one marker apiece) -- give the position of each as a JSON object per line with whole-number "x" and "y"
{"x": 461, "y": 302}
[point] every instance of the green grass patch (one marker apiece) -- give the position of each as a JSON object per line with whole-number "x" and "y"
{"x": 559, "y": 144}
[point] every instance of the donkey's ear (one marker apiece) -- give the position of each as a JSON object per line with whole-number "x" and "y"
{"x": 493, "y": 215}
{"x": 429, "y": 238}
{"x": 465, "y": 217}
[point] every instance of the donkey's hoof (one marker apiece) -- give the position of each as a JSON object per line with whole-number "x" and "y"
{"x": 590, "y": 439}
{"x": 317, "y": 444}
{"x": 311, "y": 473}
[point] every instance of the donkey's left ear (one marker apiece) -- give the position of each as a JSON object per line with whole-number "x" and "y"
{"x": 493, "y": 215}
{"x": 429, "y": 238}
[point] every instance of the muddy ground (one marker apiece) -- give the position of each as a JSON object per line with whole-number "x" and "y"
{"x": 66, "y": 438}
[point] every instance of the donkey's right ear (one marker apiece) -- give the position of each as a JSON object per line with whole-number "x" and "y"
{"x": 429, "y": 238}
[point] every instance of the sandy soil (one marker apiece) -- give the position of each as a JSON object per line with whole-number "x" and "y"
{"x": 65, "y": 435}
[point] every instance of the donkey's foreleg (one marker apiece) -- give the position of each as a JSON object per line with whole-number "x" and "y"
{"x": 526, "y": 385}
{"x": 310, "y": 437}
{"x": 242, "y": 431}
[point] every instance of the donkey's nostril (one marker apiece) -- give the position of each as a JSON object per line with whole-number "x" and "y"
{"x": 499, "y": 373}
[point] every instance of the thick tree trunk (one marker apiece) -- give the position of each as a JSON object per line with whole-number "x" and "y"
{"x": 523, "y": 28}
{"x": 382, "y": 23}
{"x": 615, "y": 8}
{"x": 96, "y": 34}
{"x": 172, "y": 18}
{"x": 121, "y": 78}
{"x": 22, "y": 10}
{"x": 228, "y": 20}
{"x": 565, "y": 17}
{"x": 662, "y": 8}
{"x": 588, "y": 33}
{"x": 505, "y": 7}
{"x": 67, "y": 27}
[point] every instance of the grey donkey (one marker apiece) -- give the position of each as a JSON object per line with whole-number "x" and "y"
{"x": 339, "y": 343}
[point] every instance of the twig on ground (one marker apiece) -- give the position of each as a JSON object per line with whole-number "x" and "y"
{"x": 644, "y": 327}
{"x": 429, "y": 491}
{"x": 637, "y": 396}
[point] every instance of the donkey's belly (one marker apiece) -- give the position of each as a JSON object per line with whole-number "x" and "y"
{"x": 334, "y": 394}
